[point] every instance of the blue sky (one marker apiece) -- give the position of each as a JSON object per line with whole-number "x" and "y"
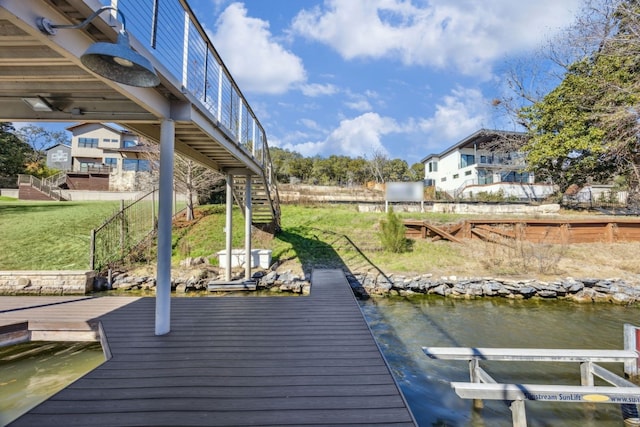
{"x": 352, "y": 77}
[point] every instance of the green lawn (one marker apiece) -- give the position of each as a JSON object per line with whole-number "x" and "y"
{"x": 49, "y": 235}
{"x": 55, "y": 236}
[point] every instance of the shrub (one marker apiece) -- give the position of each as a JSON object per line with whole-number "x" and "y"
{"x": 392, "y": 234}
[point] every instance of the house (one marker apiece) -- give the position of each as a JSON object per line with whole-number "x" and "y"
{"x": 488, "y": 161}
{"x": 59, "y": 157}
{"x": 103, "y": 157}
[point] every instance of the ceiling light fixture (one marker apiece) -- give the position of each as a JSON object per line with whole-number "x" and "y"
{"x": 38, "y": 103}
{"x": 114, "y": 61}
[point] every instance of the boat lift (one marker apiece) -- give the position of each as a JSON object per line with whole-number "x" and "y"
{"x": 483, "y": 386}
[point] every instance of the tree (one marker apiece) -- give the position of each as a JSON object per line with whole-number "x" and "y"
{"x": 195, "y": 180}
{"x": 416, "y": 172}
{"x": 395, "y": 170}
{"x": 40, "y": 139}
{"x": 393, "y": 234}
{"x": 14, "y": 154}
{"x": 565, "y": 145}
{"x": 586, "y": 129}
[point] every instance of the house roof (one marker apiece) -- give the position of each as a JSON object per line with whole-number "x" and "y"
{"x": 480, "y": 136}
{"x": 111, "y": 128}
{"x": 57, "y": 145}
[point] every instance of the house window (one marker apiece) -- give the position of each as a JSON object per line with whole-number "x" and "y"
{"x": 129, "y": 144}
{"x": 136, "y": 165}
{"x": 484, "y": 177}
{"x": 443, "y": 179}
{"x": 467, "y": 160}
{"x": 109, "y": 140}
{"x": 432, "y": 166}
{"x": 514, "y": 177}
{"x": 484, "y": 160}
{"x": 467, "y": 173}
{"x": 88, "y": 142}
{"x": 87, "y": 166}
{"x": 456, "y": 176}
{"x": 112, "y": 162}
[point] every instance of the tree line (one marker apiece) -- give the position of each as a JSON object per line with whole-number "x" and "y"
{"x": 292, "y": 167}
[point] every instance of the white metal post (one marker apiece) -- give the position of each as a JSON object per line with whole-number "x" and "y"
{"x": 228, "y": 226}
{"x": 631, "y": 343}
{"x": 518, "y": 413}
{"x": 163, "y": 286}
{"x": 248, "y": 258}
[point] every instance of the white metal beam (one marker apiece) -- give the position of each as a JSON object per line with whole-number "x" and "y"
{"x": 247, "y": 228}
{"x": 163, "y": 270}
{"x": 229, "y": 226}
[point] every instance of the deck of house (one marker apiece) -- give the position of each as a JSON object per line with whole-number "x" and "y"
{"x": 307, "y": 360}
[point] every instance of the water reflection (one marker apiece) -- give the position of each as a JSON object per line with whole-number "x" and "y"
{"x": 402, "y": 326}
{"x": 31, "y": 372}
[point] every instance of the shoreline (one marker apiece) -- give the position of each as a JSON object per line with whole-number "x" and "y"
{"x": 580, "y": 290}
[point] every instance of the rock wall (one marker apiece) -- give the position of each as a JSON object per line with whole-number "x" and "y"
{"x": 579, "y": 290}
{"x": 66, "y": 282}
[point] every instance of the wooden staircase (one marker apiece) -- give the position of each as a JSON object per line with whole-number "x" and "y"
{"x": 32, "y": 188}
{"x": 265, "y": 213}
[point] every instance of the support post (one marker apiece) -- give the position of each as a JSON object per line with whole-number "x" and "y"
{"x": 163, "y": 286}
{"x": 632, "y": 342}
{"x": 153, "y": 209}
{"x": 586, "y": 375}
{"x": 229, "y": 226}
{"x": 92, "y": 250}
{"x": 518, "y": 413}
{"x": 474, "y": 364}
{"x": 123, "y": 228}
{"x": 248, "y": 258}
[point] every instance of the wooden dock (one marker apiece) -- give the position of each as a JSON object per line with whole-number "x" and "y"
{"x": 306, "y": 360}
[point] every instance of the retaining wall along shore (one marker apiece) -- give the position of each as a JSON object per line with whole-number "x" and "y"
{"x": 581, "y": 290}
{"x": 31, "y": 282}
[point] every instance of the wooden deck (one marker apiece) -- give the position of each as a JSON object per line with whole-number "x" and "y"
{"x": 308, "y": 360}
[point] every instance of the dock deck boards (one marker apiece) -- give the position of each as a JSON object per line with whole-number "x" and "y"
{"x": 307, "y": 360}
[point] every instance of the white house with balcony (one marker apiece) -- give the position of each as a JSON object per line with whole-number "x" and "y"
{"x": 487, "y": 161}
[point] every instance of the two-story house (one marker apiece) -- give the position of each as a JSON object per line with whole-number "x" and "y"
{"x": 487, "y": 161}
{"x": 103, "y": 157}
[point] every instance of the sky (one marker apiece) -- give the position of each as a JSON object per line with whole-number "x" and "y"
{"x": 403, "y": 78}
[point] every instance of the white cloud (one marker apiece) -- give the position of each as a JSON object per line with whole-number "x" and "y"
{"x": 315, "y": 89}
{"x": 469, "y": 34}
{"x": 459, "y": 114}
{"x": 257, "y": 62}
{"x": 310, "y": 124}
{"x": 361, "y": 105}
{"x": 355, "y": 137}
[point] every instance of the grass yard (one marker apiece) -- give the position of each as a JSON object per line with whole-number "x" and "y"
{"x": 53, "y": 235}
{"x": 49, "y": 235}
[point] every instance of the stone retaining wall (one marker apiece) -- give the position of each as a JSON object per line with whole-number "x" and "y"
{"x": 581, "y": 290}
{"x": 28, "y": 282}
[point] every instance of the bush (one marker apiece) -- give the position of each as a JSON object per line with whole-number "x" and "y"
{"x": 392, "y": 235}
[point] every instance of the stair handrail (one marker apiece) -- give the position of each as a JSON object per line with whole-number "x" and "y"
{"x": 40, "y": 185}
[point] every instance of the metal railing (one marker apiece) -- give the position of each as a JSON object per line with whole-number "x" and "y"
{"x": 132, "y": 225}
{"x": 42, "y": 185}
{"x": 170, "y": 30}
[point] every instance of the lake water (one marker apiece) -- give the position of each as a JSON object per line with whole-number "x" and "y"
{"x": 31, "y": 372}
{"x": 403, "y": 325}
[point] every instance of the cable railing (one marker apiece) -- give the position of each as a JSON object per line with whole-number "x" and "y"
{"x": 170, "y": 30}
